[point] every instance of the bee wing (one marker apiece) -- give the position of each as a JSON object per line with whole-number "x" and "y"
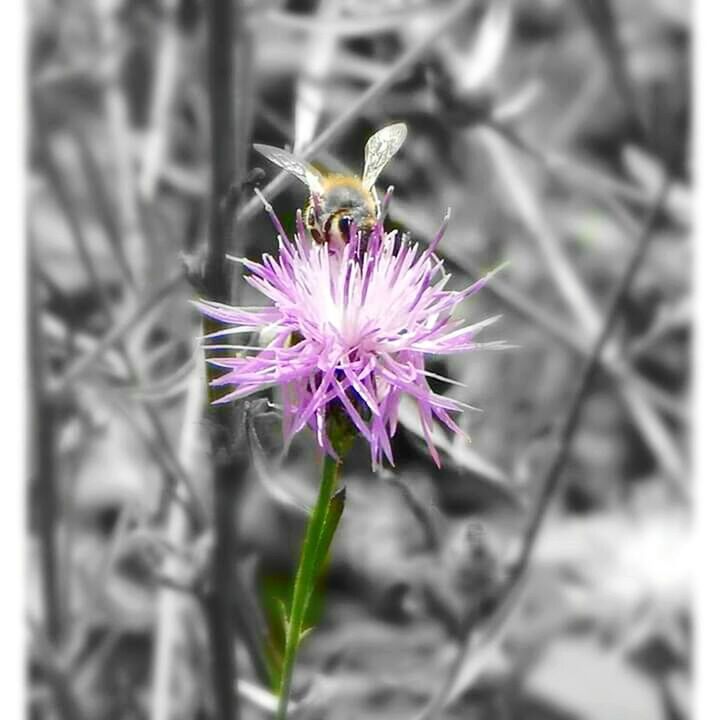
{"x": 302, "y": 170}
{"x": 379, "y": 149}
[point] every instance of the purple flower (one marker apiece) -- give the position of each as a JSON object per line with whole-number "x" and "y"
{"x": 352, "y": 326}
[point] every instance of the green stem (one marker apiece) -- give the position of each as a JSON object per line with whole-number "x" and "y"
{"x": 314, "y": 552}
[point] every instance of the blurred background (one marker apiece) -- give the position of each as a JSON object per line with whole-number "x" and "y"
{"x": 161, "y": 534}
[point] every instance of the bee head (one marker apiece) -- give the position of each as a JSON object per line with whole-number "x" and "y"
{"x": 340, "y": 225}
{"x": 329, "y": 216}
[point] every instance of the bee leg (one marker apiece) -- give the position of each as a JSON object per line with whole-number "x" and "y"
{"x": 235, "y": 193}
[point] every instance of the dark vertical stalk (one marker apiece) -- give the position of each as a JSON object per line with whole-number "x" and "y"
{"x": 43, "y": 459}
{"x": 229, "y": 58}
{"x": 221, "y": 17}
{"x": 43, "y": 417}
{"x": 243, "y": 98}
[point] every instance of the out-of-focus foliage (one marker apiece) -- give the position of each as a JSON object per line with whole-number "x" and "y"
{"x": 547, "y": 126}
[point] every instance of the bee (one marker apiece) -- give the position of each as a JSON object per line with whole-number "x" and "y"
{"x": 336, "y": 202}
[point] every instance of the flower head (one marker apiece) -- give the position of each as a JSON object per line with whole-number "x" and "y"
{"x": 352, "y": 327}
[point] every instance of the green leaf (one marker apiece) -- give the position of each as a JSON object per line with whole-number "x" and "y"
{"x": 305, "y": 633}
{"x": 332, "y": 520}
{"x": 284, "y": 616}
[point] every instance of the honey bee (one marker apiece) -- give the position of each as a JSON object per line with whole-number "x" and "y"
{"x": 337, "y": 202}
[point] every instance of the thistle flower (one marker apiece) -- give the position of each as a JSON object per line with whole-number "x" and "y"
{"x": 352, "y": 328}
